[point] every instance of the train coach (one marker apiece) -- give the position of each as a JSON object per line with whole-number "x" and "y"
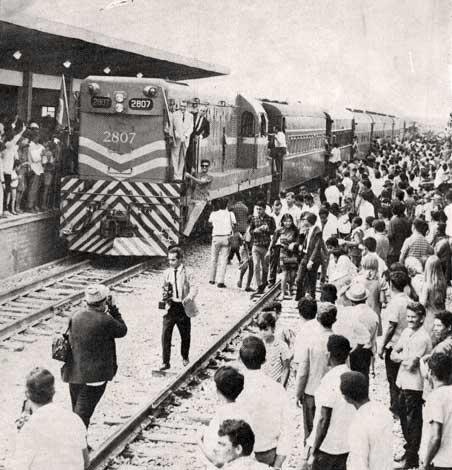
{"x": 124, "y": 202}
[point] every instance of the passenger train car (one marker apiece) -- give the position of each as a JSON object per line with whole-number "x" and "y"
{"x": 122, "y": 201}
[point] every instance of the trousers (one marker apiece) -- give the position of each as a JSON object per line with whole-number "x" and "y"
{"x": 410, "y": 412}
{"x": 274, "y": 263}
{"x": 176, "y": 317}
{"x": 392, "y": 369}
{"x": 324, "y": 461}
{"x": 306, "y": 279}
{"x": 178, "y": 151}
{"x": 33, "y": 191}
{"x": 219, "y": 258}
{"x": 84, "y": 399}
{"x": 308, "y": 414}
{"x": 260, "y": 262}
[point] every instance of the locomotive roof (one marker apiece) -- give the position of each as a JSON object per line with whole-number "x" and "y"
{"x": 292, "y": 110}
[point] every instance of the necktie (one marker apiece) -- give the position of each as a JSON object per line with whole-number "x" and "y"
{"x": 183, "y": 117}
{"x": 175, "y": 284}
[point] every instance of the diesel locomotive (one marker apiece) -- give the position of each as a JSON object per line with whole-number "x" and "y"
{"x": 123, "y": 201}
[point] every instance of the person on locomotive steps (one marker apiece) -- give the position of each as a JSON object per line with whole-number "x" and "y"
{"x": 179, "y": 128}
{"x": 179, "y": 294}
{"x": 92, "y": 333}
{"x": 201, "y": 130}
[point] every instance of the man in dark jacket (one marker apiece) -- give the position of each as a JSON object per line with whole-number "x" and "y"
{"x": 92, "y": 334}
{"x": 312, "y": 250}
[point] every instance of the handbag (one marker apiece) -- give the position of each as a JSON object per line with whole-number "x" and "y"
{"x": 61, "y": 346}
{"x": 190, "y": 307}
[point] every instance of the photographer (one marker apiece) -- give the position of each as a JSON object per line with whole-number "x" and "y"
{"x": 92, "y": 334}
{"x": 178, "y": 302}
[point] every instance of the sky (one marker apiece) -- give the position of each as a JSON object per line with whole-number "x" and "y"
{"x": 383, "y": 55}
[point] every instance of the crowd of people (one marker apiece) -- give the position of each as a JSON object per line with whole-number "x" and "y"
{"x": 376, "y": 241}
{"x": 30, "y": 167}
{"x": 368, "y": 263}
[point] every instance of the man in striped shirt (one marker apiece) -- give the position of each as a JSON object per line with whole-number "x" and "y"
{"x": 417, "y": 245}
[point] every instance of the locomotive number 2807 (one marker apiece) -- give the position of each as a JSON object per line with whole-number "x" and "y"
{"x": 116, "y": 137}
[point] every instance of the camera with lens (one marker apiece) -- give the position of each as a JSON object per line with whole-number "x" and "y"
{"x": 167, "y": 295}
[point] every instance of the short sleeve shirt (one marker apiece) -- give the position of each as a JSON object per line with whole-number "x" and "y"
{"x": 396, "y": 313}
{"x": 438, "y": 408}
{"x": 222, "y": 221}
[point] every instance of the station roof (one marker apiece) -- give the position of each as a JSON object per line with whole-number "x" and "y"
{"x": 46, "y": 44}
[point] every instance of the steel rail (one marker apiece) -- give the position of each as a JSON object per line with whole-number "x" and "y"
{"x": 35, "y": 317}
{"x": 115, "y": 444}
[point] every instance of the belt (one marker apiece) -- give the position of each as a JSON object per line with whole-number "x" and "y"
{"x": 227, "y": 235}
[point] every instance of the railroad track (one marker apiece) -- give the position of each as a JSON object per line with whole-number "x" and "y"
{"x": 28, "y": 305}
{"x": 128, "y": 431}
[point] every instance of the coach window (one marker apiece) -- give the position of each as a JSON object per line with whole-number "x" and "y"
{"x": 247, "y": 125}
{"x": 48, "y": 111}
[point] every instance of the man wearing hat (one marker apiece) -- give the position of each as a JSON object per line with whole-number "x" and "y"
{"x": 360, "y": 312}
{"x": 92, "y": 333}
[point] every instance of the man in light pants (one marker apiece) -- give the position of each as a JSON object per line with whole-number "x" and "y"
{"x": 223, "y": 222}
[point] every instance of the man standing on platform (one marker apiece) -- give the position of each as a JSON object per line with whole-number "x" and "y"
{"x": 180, "y": 128}
{"x": 201, "y": 130}
{"x": 178, "y": 297}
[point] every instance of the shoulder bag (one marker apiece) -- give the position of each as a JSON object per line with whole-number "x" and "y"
{"x": 61, "y": 346}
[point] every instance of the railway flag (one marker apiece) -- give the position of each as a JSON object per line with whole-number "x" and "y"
{"x": 62, "y": 113}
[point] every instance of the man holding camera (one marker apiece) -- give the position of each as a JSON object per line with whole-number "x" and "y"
{"x": 92, "y": 333}
{"x": 178, "y": 302}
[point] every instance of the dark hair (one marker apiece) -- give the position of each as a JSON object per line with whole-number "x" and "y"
{"x": 323, "y": 211}
{"x": 288, "y": 216}
{"x": 176, "y": 250}
{"x": 328, "y": 293}
{"x": 40, "y": 384}
{"x": 400, "y": 195}
{"x": 333, "y": 242}
{"x": 357, "y": 221}
{"x": 277, "y": 201}
{"x": 421, "y": 226}
{"x": 371, "y": 244}
{"x": 310, "y": 217}
{"x": 379, "y": 225}
{"x": 204, "y": 160}
{"x": 417, "y": 308}
{"x": 266, "y": 320}
{"x": 239, "y": 433}
{"x": 398, "y": 208}
{"x": 399, "y": 280}
{"x": 229, "y": 382}
{"x": 327, "y": 315}
{"x": 222, "y": 203}
{"x": 355, "y": 386}
{"x": 273, "y": 307}
{"x": 440, "y": 365}
{"x": 445, "y": 317}
{"x": 307, "y": 308}
{"x": 339, "y": 348}
{"x": 252, "y": 352}
{"x": 261, "y": 204}
{"x": 370, "y": 220}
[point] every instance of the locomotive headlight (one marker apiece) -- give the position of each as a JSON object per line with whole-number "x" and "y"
{"x": 150, "y": 91}
{"x": 119, "y": 107}
{"x": 93, "y": 88}
{"x": 119, "y": 97}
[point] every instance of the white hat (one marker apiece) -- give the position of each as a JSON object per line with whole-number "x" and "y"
{"x": 34, "y": 125}
{"x": 357, "y": 292}
{"x": 96, "y": 293}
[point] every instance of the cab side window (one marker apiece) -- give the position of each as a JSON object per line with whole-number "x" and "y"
{"x": 247, "y": 124}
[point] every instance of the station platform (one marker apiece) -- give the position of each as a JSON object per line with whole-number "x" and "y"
{"x": 28, "y": 240}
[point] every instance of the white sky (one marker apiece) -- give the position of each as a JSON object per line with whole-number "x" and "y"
{"x": 383, "y": 55}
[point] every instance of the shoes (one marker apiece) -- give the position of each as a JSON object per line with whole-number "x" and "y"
{"x": 165, "y": 367}
{"x": 239, "y": 285}
{"x": 220, "y": 284}
{"x": 249, "y": 289}
{"x": 14, "y": 213}
{"x": 185, "y": 362}
{"x": 260, "y": 289}
{"x": 211, "y": 282}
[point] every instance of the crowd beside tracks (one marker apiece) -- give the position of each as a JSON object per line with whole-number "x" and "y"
{"x": 375, "y": 242}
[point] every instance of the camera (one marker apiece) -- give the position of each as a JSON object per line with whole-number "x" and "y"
{"x": 167, "y": 295}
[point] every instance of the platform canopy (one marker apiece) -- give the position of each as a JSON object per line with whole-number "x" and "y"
{"x": 45, "y": 45}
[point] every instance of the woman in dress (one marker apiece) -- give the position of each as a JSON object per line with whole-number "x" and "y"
{"x": 286, "y": 236}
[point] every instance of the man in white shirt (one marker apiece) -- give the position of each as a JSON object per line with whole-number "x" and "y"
{"x": 292, "y": 209}
{"x": 413, "y": 344}
{"x": 280, "y": 149}
{"x": 332, "y": 193}
{"x": 335, "y": 159}
{"x": 370, "y": 433}
{"x": 35, "y": 150}
{"x": 327, "y": 446}
{"x": 348, "y": 184}
{"x": 277, "y": 215}
{"x": 312, "y": 357}
{"x": 268, "y": 405}
{"x": 448, "y": 212}
{"x": 53, "y": 437}
{"x": 223, "y": 222}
